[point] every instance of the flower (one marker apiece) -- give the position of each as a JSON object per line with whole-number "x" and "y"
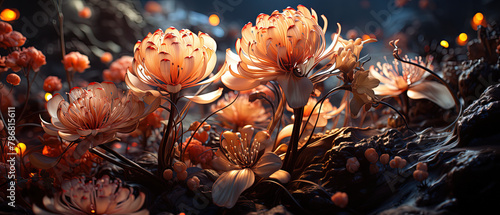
{"x": 29, "y": 58}
{"x": 327, "y": 111}
{"x": 340, "y": 199}
{"x": 362, "y": 91}
{"x": 52, "y": 84}
{"x": 12, "y": 39}
{"x": 371, "y": 155}
{"x": 410, "y": 79}
{"x": 102, "y": 196}
{"x": 347, "y": 55}
{"x": 5, "y": 28}
{"x": 198, "y": 153}
{"x": 167, "y": 62}
{"x": 240, "y": 157}
{"x": 13, "y": 79}
{"x": 283, "y": 47}
{"x": 118, "y": 69}
{"x": 107, "y": 57}
{"x": 94, "y": 114}
{"x": 75, "y": 62}
{"x": 242, "y": 112}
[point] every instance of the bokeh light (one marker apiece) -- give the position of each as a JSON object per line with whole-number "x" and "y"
{"x": 214, "y": 20}
{"x": 9, "y": 14}
{"x": 444, "y": 44}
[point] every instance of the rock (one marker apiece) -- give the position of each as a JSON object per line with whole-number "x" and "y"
{"x": 475, "y": 126}
{"x": 477, "y": 75}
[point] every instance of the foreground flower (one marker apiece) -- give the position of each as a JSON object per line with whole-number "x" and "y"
{"x": 348, "y": 55}
{"x": 240, "y": 157}
{"x": 102, "y": 196}
{"x": 242, "y": 112}
{"x": 284, "y": 47}
{"x": 167, "y": 62}
{"x": 411, "y": 80}
{"x": 94, "y": 114}
{"x": 76, "y": 62}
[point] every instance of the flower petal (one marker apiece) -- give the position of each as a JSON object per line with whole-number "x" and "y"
{"x": 229, "y": 186}
{"x": 433, "y": 91}
{"x": 282, "y": 176}
{"x": 207, "y": 97}
{"x": 267, "y": 165}
{"x": 297, "y": 90}
{"x": 41, "y": 161}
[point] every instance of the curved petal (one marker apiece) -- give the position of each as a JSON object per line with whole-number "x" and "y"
{"x": 41, "y": 161}
{"x": 284, "y": 133}
{"x": 53, "y": 104}
{"x": 239, "y": 84}
{"x": 267, "y": 165}
{"x": 355, "y": 105}
{"x": 297, "y": 90}
{"x": 282, "y": 176}
{"x": 221, "y": 163}
{"x": 207, "y": 97}
{"x": 229, "y": 186}
{"x": 433, "y": 91}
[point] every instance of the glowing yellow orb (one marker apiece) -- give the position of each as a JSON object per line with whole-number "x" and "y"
{"x": 214, "y": 20}
{"x": 9, "y": 15}
{"x": 20, "y": 148}
{"x": 444, "y": 44}
{"x": 478, "y": 18}
{"x": 48, "y": 96}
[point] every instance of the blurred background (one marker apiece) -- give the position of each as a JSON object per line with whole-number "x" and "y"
{"x": 437, "y": 27}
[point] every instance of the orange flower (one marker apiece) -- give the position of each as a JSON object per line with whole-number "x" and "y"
{"x": 76, "y": 62}
{"x": 242, "y": 112}
{"x": 13, "y": 79}
{"x": 167, "y": 62}
{"x": 340, "y": 199}
{"x": 118, "y": 69}
{"x": 11, "y": 39}
{"x": 284, "y": 47}
{"x": 347, "y": 55}
{"x": 410, "y": 79}
{"x": 5, "y": 28}
{"x": 52, "y": 84}
{"x": 94, "y": 114}
{"x": 29, "y": 58}
{"x": 106, "y": 57}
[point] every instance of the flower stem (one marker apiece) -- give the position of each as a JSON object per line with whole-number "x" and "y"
{"x": 291, "y": 152}
{"x": 168, "y": 140}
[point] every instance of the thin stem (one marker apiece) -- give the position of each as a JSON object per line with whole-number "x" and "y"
{"x": 167, "y": 141}
{"x": 291, "y": 151}
{"x": 28, "y": 91}
{"x": 126, "y": 160}
{"x": 289, "y": 194}
{"x": 61, "y": 38}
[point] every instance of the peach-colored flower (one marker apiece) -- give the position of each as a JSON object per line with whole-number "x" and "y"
{"x": 5, "y": 28}
{"x": 75, "y": 62}
{"x": 322, "y": 115}
{"x": 242, "y": 112}
{"x": 241, "y": 158}
{"x": 94, "y": 114}
{"x": 29, "y": 58}
{"x": 167, "y": 62}
{"x": 284, "y": 47}
{"x": 118, "y": 69}
{"x": 348, "y": 54}
{"x": 362, "y": 91}
{"x": 102, "y": 196}
{"x": 52, "y": 84}
{"x": 410, "y": 79}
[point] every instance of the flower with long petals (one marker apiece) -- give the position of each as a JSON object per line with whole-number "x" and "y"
{"x": 348, "y": 54}
{"x": 410, "y": 79}
{"x": 284, "y": 47}
{"x": 76, "y": 62}
{"x": 241, "y": 158}
{"x": 362, "y": 91}
{"x": 242, "y": 112}
{"x": 102, "y": 196}
{"x": 94, "y": 114}
{"x": 167, "y": 62}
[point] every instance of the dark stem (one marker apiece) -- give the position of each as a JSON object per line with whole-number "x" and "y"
{"x": 126, "y": 160}
{"x": 61, "y": 39}
{"x": 28, "y": 91}
{"x": 405, "y": 100}
{"x": 291, "y": 151}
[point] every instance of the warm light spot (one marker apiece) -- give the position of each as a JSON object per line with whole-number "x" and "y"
{"x": 85, "y": 13}
{"x": 214, "y": 20}
{"x": 478, "y": 18}
{"x": 117, "y": 146}
{"x": 48, "y": 96}
{"x": 365, "y": 37}
{"x": 45, "y": 150}
{"x": 92, "y": 211}
{"x": 106, "y": 57}
{"x": 134, "y": 144}
{"x": 9, "y": 15}
{"x": 32, "y": 174}
{"x": 182, "y": 213}
{"x": 444, "y": 44}
{"x": 20, "y": 148}
{"x": 462, "y": 39}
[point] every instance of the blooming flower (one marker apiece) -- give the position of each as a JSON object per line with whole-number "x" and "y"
{"x": 52, "y": 84}
{"x": 242, "y": 112}
{"x": 167, "y": 62}
{"x": 118, "y": 69}
{"x": 12, "y": 39}
{"x": 75, "y": 62}
{"x": 13, "y": 79}
{"x": 240, "y": 157}
{"x": 410, "y": 79}
{"x": 362, "y": 91}
{"x": 94, "y": 114}
{"x": 102, "y": 196}
{"x": 284, "y": 47}
{"x": 29, "y": 58}
{"x": 347, "y": 55}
